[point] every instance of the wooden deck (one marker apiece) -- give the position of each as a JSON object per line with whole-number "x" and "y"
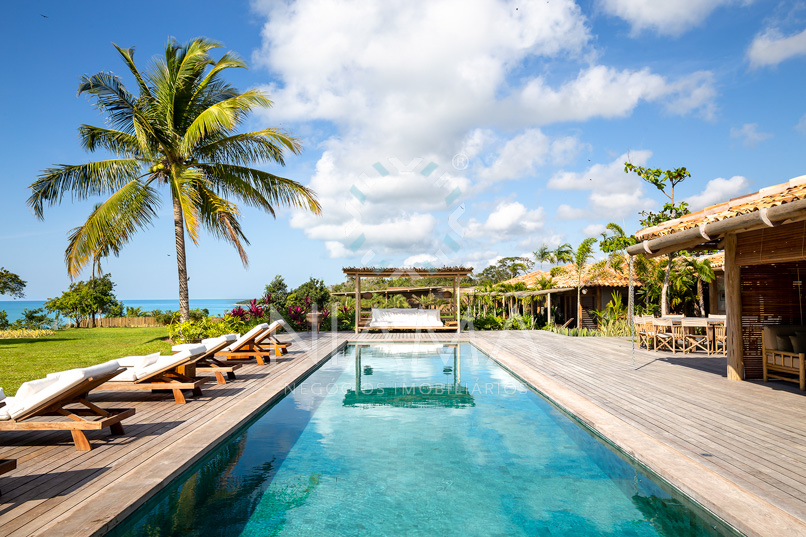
{"x": 737, "y": 447}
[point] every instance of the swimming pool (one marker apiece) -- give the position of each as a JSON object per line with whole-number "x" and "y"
{"x": 416, "y": 440}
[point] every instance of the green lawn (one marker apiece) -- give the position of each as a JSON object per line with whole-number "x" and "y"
{"x": 28, "y": 359}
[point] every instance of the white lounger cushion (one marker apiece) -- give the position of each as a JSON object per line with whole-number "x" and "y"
{"x": 35, "y": 392}
{"x": 138, "y": 361}
{"x": 247, "y": 337}
{"x": 213, "y": 342}
{"x": 405, "y": 317}
{"x": 93, "y": 371}
{"x": 150, "y": 364}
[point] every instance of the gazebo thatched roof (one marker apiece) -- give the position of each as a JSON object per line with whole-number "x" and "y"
{"x": 412, "y": 272}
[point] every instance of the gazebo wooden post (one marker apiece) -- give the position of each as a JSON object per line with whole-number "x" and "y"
{"x": 733, "y": 306}
{"x": 549, "y": 318}
{"x": 357, "y": 301}
{"x": 458, "y": 304}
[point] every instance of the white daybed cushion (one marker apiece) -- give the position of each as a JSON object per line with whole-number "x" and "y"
{"x": 247, "y": 337}
{"x": 405, "y": 317}
{"x": 35, "y": 392}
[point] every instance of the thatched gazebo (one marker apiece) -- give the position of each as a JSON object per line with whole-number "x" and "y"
{"x": 414, "y": 273}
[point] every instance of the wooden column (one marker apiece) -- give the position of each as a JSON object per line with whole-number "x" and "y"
{"x": 357, "y": 301}
{"x": 733, "y": 302}
{"x": 549, "y": 318}
{"x": 458, "y": 304}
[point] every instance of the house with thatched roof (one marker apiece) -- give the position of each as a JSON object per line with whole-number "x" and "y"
{"x": 599, "y": 283}
{"x": 763, "y": 238}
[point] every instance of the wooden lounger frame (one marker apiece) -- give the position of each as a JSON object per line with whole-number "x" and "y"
{"x": 168, "y": 378}
{"x": 262, "y": 345}
{"x": 78, "y": 418}
{"x": 207, "y": 363}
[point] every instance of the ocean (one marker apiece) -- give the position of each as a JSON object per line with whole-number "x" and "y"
{"x": 216, "y": 306}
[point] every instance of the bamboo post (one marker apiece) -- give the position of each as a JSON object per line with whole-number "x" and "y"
{"x": 357, "y": 301}
{"x": 458, "y": 304}
{"x": 733, "y": 306}
{"x": 549, "y": 317}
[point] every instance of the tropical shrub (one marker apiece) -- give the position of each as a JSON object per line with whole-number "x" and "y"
{"x": 25, "y": 333}
{"x": 32, "y": 319}
{"x": 4, "y": 324}
{"x": 573, "y": 332}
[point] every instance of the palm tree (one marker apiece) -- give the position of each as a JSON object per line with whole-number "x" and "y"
{"x": 702, "y": 271}
{"x": 178, "y": 133}
{"x": 563, "y": 254}
{"x": 581, "y": 256}
{"x": 542, "y": 255}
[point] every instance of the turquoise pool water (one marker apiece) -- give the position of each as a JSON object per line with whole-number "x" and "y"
{"x": 415, "y": 440}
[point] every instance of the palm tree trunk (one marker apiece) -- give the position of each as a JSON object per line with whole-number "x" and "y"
{"x": 701, "y": 297}
{"x": 181, "y": 263}
{"x": 664, "y": 305}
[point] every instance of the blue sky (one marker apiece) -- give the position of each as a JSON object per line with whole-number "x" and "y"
{"x": 447, "y": 132}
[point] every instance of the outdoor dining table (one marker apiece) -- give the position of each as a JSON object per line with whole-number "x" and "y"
{"x": 698, "y": 322}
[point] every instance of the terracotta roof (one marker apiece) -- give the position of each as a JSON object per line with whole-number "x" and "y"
{"x": 717, "y": 260}
{"x": 794, "y": 189}
{"x": 603, "y": 277}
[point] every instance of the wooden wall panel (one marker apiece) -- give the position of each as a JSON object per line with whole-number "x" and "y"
{"x": 769, "y": 296}
{"x": 781, "y": 244}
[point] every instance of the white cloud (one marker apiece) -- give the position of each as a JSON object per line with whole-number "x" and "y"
{"x": 665, "y": 18}
{"x": 415, "y": 81}
{"x": 749, "y": 135}
{"x": 719, "y": 190}
{"x": 610, "y": 192}
{"x": 601, "y": 91}
{"x": 522, "y": 154}
{"x": 566, "y": 212}
{"x": 771, "y": 48}
{"x": 593, "y": 230}
{"x": 801, "y": 126}
{"x": 509, "y": 218}
{"x": 420, "y": 260}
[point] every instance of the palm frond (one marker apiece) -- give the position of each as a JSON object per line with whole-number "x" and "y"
{"x": 242, "y": 149}
{"x": 220, "y": 218}
{"x": 111, "y": 97}
{"x": 185, "y": 191}
{"x": 274, "y": 190}
{"x": 111, "y": 225}
{"x": 81, "y": 181}
{"x": 114, "y": 141}
{"x": 221, "y": 117}
{"x": 128, "y": 59}
{"x": 229, "y": 60}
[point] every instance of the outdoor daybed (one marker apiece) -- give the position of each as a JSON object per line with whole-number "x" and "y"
{"x": 49, "y": 396}
{"x": 406, "y": 318}
{"x": 784, "y": 353}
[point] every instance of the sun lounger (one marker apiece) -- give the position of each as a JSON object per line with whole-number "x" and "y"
{"x": 269, "y": 339}
{"x": 155, "y": 372}
{"x": 257, "y": 343}
{"x": 49, "y": 396}
{"x": 207, "y": 362}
